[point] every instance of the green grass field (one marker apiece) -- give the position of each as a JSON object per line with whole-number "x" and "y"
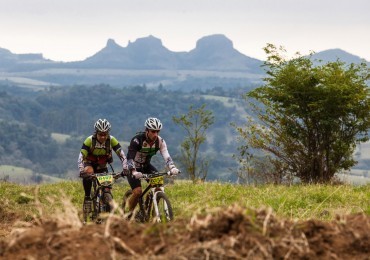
{"x": 296, "y": 202}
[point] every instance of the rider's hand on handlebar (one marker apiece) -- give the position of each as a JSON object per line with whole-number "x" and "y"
{"x": 174, "y": 171}
{"x": 84, "y": 174}
{"x": 137, "y": 175}
{"x": 125, "y": 172}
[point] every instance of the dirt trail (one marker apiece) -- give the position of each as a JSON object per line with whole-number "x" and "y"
{"x": 228, "y": 234}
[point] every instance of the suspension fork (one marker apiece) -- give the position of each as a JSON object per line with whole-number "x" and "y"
{"x": 155, "y": 191}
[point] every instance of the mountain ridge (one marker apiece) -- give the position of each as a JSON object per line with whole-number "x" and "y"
{"x": 147, "y": 61}
{"x": 205, "y": 44}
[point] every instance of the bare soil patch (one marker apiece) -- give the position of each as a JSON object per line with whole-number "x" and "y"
{"x": 225, "y": 234}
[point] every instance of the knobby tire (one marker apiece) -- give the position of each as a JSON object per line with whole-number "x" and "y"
{"x": 164, "y": 208}
{"x": 126, "y": 196}
{"x": 107, "y": 200}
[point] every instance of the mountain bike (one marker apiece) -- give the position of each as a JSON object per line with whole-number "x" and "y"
{"x": 153, "y": 204}
{"x": 101, "y": 195}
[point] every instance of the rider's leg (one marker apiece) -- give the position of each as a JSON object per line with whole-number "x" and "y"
{"x": 87, "y": 182}
{"x": 134, "y": 199}
{"x": 135, "y": 185}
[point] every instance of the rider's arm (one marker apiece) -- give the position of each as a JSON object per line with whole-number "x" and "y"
{"x": 133, "y": 148}
{"x": 165, "y": 154}
{"x": 80, "y": 162}
{"x": 119, "y": 151}
{"x": 123, "y": 159}
{"x": 83, "y": 153}
{"x": 86, "y": 146}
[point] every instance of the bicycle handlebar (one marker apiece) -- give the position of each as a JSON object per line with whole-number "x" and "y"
{"x": 156, "y": 174}
{"x": 125, "y": 173}
{"x": 115, "y": 175}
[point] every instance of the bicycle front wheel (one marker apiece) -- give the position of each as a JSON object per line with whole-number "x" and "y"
{"x": 165, "y": 213}
{"x": 107, "y": 200}
{"x": 125, "y": 205}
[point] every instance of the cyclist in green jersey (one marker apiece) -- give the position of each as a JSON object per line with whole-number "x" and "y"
{"x": 96, "y": 153}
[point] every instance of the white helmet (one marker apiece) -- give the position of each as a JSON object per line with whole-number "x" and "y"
{"x": 102, "y": 125}
{"x": 153, "y": 123}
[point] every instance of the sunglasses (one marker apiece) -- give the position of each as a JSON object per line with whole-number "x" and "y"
{"x": 154, "y": 131}
{"x": 102, "y": 134}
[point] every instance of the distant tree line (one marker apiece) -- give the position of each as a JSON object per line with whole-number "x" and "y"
{"x": 29, "y": 117}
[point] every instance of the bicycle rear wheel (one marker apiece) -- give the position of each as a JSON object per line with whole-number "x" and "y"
{"x": 164, "y": 209}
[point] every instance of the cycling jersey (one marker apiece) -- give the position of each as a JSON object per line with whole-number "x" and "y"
{"x": 142, "y": 150}
{"x": 101, "y": 153}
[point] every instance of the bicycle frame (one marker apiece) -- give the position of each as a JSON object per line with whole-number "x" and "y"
{"x": 102, "y": 183}
{"x": 151, "y": 199}
{"x": 146, "y": 199}
{"x": 101, "y": 194}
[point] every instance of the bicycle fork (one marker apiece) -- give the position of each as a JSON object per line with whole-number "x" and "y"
{"x": 155, "y": 192}
{"x": 104, "y": 205}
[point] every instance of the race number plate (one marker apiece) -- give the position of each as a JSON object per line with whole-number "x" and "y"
{"x": 157, "y": 181}
{"x": 105, "y": 179}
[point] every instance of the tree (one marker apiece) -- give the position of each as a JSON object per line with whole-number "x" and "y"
{"x": 309, "y": 117}
{"x": 195, "y": 123}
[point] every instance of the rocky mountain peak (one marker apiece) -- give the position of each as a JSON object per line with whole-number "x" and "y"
{"x": 335, "y": 54}
{"x": 111, "y": 44}
{"x": 149, "y": 42}
{"x": 214, "y": 42}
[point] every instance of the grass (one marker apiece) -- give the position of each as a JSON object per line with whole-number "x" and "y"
{"x": 299, "y": 202}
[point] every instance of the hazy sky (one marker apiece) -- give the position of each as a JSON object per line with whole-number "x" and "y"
{"x": 66, "y": 30}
